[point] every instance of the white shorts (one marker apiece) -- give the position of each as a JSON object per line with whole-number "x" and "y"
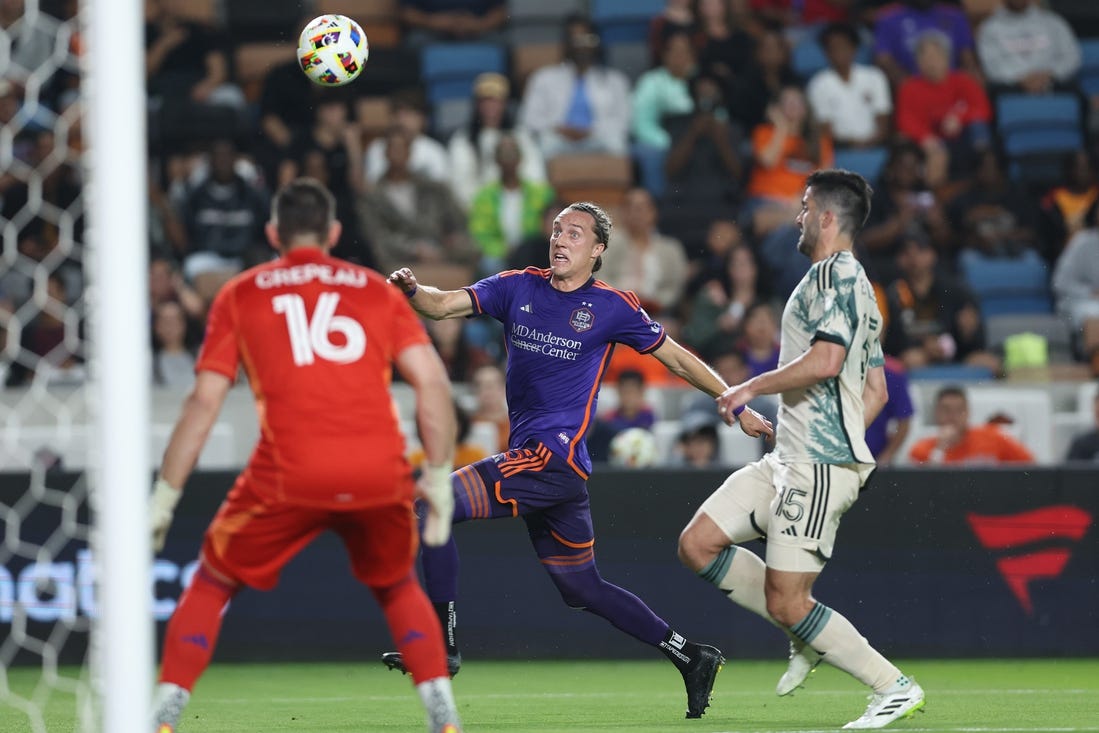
{"x": 796, "y": 506}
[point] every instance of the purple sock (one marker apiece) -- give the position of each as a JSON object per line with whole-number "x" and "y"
{"x": 587, "y": 590}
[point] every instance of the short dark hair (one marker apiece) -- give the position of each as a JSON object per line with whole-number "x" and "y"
{"x": 631, "y": 375}
{"x": 843, "y": 30}
{"x": 950, "y": 390}
{"x": 846, "y": 194}
{"x": 602, "y": 228}
{"x": 303, "y": 207}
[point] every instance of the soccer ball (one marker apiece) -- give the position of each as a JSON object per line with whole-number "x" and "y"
{"x": 633, "y": 448}
{"x": 332, "y": 50}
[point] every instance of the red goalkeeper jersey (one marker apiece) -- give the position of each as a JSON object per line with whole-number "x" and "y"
{"x": 317, "y": 337}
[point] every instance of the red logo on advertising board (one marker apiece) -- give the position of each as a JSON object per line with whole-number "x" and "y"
{"x": 1012, "y": 531}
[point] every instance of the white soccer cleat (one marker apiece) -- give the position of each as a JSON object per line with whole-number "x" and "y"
{"x": 886, "y": 707}
{"x": 803, "y": 660}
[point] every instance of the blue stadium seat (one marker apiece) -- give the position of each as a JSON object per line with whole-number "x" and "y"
{"x": 624, "y": 21}
{"x": 1089, "y": 68}
{"x": 951, "y": 373}
{"x": 867, "y": 162}
{"x": 448, "y": 69}
{"x": 1039, "y": 124}
{"x": 1008, "y": 284}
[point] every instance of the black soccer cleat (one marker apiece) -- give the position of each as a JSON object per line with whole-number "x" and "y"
{"x": 394, "y": 660}
{"x": 699, "y": 679}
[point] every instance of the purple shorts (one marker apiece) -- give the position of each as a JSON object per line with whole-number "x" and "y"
{"x": 538, "y": 485}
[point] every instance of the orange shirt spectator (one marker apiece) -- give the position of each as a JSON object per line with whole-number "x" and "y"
{"x": 787, "y": 178}
{"x": 957, "y": 442}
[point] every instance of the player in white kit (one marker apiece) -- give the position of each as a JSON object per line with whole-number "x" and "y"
{"x": 832, "y": 385}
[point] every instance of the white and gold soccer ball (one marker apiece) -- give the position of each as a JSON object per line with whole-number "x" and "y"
{"x": 633, "y": 448}
{"x": 332, "y": 50}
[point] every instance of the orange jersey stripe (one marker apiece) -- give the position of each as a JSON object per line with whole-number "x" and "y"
{"x": 626, "y": 295}
{"x": 587, "y": 410}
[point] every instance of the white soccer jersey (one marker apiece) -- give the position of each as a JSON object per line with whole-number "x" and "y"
{"x": 824, "y": 423}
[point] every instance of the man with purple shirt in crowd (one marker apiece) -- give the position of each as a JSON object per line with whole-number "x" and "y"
{"x": 562, "y": 326}
{"x": 899, "y": 27}
{"x": 883, "y": 442}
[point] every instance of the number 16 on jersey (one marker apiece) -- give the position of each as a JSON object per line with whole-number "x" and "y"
{"x": 310, "y": 338}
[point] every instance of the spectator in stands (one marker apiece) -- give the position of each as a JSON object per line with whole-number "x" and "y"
{"x": 465, "y": 452}
{"x": 38, "y": 243}
{"x": 283, "y": 118}
{"x": 1065, "y": 208}
{"x": 698, "y": 445}
{"x": 755, "y": 89}
{"x": 712, "y": 262}
{"x": 1024, "y": 47}
{"x": 886, "y": 435}
{"x": 187, "y": 73}
{"x": 661, "y": 92}
{"x": 786, "y": 149}
{"x": 166, "y": 285}
{"x": 411, "y": 220}
{"x": 947, "y": 112}
{"x": 1085, "y": 447}
{"x": 720, "y": 304}
{"x": 900, "y": 25}
{"x": 760, "y": 340}
{"x": 533, "y": 251}
{"x": 851, "y": 101}
{"x": 678, "y": 16}
{"x": 933, "y": 318}
{"x": 491, "y": 402}
{"x": 429, "y": 157}
{"x": 49, "y": 339}
{"x": 578, "y": 105}
{"x": 330, "y": 150}
{"x": 173, "y": 358}
{"x": 794, "y": 14}
{"x": 903, "y": 202}
{"x": 731, "y": 366}
{"x": 224, "y": 214}
{"x": 995, "y": 215}
{"x": 507, "y": 211}
{"x": 641, "y": 259}
{"x": 167, "y": 235}
{"x": 453, "y": 20}
{"x": 958, "y": 442}
{"x": 632, "y": 411}
{"x": 725, "y": 49}
{"x": 1076, "y": 287}
{"x": 473, "y": 149}
{"x": 703, "y": 169}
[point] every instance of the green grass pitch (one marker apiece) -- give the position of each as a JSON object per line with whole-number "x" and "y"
{"x": 963, "y": 696}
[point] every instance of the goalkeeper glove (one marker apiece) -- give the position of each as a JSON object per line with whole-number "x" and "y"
{"x": 162, "y": 505}
{"x": 434, "y": 487}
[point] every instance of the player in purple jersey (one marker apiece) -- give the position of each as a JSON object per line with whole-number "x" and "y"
{"x": 561, "y": 326}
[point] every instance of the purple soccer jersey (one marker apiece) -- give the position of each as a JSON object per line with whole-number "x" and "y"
{"x": 559, "y": 345}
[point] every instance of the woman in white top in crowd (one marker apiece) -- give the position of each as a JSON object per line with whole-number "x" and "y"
{"x": 473, "y": 148}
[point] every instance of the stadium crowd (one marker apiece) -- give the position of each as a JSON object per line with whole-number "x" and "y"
{"x": 695, "y": 121}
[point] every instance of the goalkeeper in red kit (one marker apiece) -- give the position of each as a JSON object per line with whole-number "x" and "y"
{"x": 318, "y": 338}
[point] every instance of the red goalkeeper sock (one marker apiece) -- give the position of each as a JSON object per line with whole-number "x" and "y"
{"x": 193, "y": 630}
{"x": 415, "y": 628}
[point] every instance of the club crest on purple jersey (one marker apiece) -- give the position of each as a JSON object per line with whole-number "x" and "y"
{"x": 582, "y": 320}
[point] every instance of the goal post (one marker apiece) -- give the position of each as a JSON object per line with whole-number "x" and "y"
{"x": 113, "y": 90}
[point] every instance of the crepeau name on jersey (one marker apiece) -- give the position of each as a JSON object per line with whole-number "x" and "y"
{"x": 305, "y": 274}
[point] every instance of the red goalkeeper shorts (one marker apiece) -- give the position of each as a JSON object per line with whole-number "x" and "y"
{"x": 250, "y": 540}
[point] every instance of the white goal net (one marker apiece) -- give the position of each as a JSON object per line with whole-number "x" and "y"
{"x": 75, "y": 630}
